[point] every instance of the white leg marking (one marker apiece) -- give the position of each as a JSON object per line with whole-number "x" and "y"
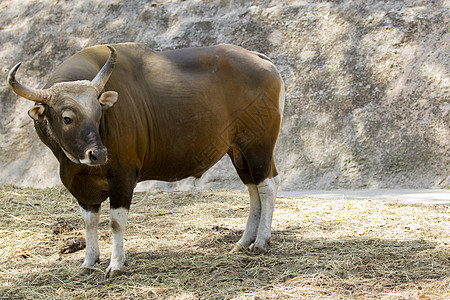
{"x": 251, "y": 229}
{"x": 267, "y": 193}
{"x": 118, "y": 222}
{"x": 91, "y": 223}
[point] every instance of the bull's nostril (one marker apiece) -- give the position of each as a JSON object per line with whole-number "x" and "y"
{"x": 93, "y": 157}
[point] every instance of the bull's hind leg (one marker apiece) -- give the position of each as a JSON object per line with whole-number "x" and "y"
{"x": 251, "y": 229}
{"x": 267, "y": 191}
{"x": 262, "y": 201}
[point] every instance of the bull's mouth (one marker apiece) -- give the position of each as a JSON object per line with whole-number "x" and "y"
{"x": 92, "y": 157}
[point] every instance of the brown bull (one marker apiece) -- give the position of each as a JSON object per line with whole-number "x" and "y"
{"x": 144, "y": 115}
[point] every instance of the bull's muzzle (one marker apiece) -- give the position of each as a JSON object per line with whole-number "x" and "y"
{"x": 95, "y": 157}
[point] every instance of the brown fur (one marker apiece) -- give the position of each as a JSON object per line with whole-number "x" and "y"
{"x": 178, "y": 113}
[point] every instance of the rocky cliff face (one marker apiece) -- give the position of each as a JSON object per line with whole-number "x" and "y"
{"x": 367, "y": 81}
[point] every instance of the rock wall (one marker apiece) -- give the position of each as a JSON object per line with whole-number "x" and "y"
{"x": 367, "y": 81}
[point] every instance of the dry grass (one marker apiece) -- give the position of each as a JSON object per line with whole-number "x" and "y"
{"x": 177, "y": 246}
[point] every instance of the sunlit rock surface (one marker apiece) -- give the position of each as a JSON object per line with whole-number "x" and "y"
{"x": 368, "y": 85}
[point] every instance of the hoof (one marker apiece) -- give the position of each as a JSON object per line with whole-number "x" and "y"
{"x": 87, "y": 270}
{"x": 113, "y": 273}
{"x": 237, "y": 248}
{"x": 260, "y": 248}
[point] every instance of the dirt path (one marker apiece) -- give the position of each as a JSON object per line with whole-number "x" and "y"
{"x": 400, "y": 195}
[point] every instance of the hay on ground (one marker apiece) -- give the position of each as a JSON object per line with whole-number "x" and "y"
{"x": 177, "y": 247}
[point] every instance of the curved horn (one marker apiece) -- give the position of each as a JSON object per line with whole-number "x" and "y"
{"x": 36, "y": 95}
{"x": 102, "y": 77}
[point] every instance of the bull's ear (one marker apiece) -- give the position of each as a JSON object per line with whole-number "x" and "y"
{"x": 35, "y": 111}
{"x": 107, "y": 99}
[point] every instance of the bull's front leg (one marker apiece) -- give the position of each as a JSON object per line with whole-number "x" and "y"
{"x": 118, "y": 222}
{"x": 120, "y": 196}
{"x": 90, "y": 214}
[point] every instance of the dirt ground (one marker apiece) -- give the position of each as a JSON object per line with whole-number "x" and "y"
{"x": 177, "y": 247}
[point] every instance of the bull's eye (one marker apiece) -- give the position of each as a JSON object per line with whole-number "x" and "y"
{"x": 67, "y": 120}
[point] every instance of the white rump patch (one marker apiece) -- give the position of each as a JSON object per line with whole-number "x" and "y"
{"x": 282, "y": 98}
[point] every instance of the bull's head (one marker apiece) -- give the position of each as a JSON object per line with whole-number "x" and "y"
{"x": 72, "y": 112}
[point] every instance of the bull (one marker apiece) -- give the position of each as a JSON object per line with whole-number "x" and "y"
{"x": 179, "y": 113}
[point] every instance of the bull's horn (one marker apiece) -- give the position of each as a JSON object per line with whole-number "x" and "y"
{"x": 36, "y": 95}
{"x": 102, "y": 77}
